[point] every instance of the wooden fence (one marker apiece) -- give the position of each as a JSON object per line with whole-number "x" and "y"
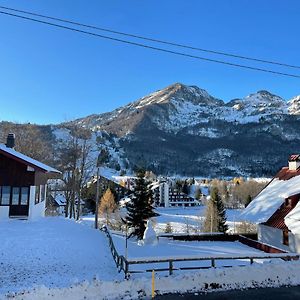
{"x": 124, "y": 264}
{"x": 213, "y": 261}
{"x": 120, "y": 260}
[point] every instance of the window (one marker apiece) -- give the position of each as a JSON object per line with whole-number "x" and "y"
{"x": 15, "y": 196}
{"x": 285, "y": 237}
{"x": 37, "y": 194}
{"x": 5, "y": 195}
{"x": 24, "y": 196}
{"x": 43, "y": 192}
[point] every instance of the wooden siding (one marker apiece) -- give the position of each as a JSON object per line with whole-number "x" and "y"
{"x": 14, "y": 173}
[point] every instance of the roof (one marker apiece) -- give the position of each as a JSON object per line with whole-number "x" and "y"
{"x": 286, "y": 174}
{"x": 11, "y": 153}
{"x": 294, "y": 157}
{"x": 277, "y": 219}
{"x": 265, "y": 204}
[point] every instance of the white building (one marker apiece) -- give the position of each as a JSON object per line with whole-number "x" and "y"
{"x": 276, "y": 209}
{"x": 23, "y": 183}
{"x": 165, "y": 196}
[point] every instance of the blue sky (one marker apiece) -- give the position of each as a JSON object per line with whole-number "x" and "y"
{"x": 50, "y": 75}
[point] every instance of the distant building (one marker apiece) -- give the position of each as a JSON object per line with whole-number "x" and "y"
{"x": 276, "y": 209}
{"x": 23, "y": 183}
{"x": 165, "y": 196}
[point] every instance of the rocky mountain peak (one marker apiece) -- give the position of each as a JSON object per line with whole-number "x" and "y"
{"x": 263, "y": 96}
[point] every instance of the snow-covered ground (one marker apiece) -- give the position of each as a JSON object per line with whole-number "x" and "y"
{"x": 55, "y": 258}
{"x": 167, "y": 248}
{"x": 266, "y": 275}
{"x": 189, "y": 219}
{"x": 52, "y": 251}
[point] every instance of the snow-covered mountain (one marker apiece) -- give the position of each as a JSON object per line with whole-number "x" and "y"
{"x": 179, "y": 106}
{"x": 184, "y": 130}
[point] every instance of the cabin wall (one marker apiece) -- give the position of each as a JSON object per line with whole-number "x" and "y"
{"x": 294, "y": 241}
{"x": 272, "y": 236}
{"x": 35, "y": 210}
{"x": 4, "y": 213}
{"x": 14, "y": 173}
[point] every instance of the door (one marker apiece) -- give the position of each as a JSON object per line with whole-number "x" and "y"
{"x": 19, "y": 202}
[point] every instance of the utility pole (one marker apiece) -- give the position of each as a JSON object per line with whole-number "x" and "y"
{"x": 97, "y": 190}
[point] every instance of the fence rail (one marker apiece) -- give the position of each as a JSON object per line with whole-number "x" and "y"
{"x": 124, "y": 264}
{"x": 120, "y": 260}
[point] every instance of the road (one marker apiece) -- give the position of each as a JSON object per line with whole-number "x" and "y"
{"x": 286, "y": 293}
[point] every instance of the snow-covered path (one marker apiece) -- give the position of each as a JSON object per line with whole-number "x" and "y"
{"x": 54, "y": 252}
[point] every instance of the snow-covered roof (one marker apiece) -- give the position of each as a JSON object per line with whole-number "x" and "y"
{"x": 60, "y": 199}
{"x": 270, "y": 199}
{"x": 26, "y": 159}
{"x": 292, "y": 220}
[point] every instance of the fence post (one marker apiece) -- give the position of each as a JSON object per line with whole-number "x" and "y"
{"x": 153, "y": 285}
{"x": 170, "y": 267}
{"x": 213, "y": 263}
{"x": 126, "y": 269}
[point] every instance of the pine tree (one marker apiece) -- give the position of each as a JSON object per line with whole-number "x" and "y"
{"x": 140, "y": 209}
{"x": 215, "y": 220}
{"x": 248, "y": 200}
{"x": 107, "y": 205}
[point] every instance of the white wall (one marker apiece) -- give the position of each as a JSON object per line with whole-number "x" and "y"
{"x": 294, "y": 241}
{"x": 273, "y": 237}
{"x": 4, "y": 213}
{"x": 35, "y": 210}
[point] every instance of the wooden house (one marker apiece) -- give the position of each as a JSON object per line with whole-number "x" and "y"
{"x": 276, "y": 209}
{"x": 23, "y": 183}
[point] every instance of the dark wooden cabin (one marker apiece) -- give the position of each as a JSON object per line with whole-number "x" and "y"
{"x": 23, "y": 183}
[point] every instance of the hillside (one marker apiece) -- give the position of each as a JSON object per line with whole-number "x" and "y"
{"x": 184, "y": 130}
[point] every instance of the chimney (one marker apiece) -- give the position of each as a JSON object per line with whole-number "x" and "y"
{"x": 294, "y": 162}
{"x": 10, "y": 142}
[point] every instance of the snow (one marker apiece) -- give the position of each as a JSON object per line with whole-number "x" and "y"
{"x": 27, "y": 159}
{"x": 272, "y": 274}
{"x": 54, "y": 252}
{"x": 171, "y": 248}
{"x": 189, "y": 220}
{"x": 149, "y": 237}
{"x": 57, "y": 258}
{"x": 269, "y": 199}
{"x": 292, "y": 220}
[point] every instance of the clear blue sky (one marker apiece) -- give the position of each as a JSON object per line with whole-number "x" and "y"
{"x": 49, "y": 75}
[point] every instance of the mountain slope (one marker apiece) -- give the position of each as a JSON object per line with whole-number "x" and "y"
{"x": 184, "y": 130}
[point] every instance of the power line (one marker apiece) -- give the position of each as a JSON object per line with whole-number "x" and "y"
{"x": 151, "y": 47}
{"x": 152, "y": 39}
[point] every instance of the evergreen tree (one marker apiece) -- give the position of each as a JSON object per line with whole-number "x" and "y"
{"x": 185, "y": 188}
{"x": 198, "y": 194}
{"x": 215, "y": 219}
{"x": 140, "y": 209}
{"x": 248, "y": 200}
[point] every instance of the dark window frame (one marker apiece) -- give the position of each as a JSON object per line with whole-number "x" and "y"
{"x": 13, "y": 188}
{"x": 28, "y": 195}
{"x": 2, "y": 195}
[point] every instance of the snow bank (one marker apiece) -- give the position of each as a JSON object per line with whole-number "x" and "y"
{"x": 267, "y": 275}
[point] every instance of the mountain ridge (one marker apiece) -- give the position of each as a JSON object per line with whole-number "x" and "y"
{"x": 184, "y": 130}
